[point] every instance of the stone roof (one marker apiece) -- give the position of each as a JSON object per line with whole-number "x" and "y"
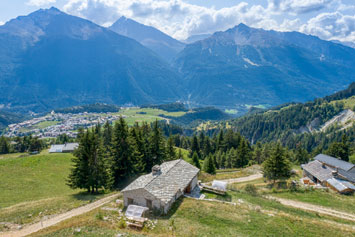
{"x": 348, "y": 175}
{"x": 174, "y": 177}
{"x": 318, "y": 170}
{"x": 331, "y": 161}
{"x": 56, "y": 148}
{"x": 340, "y": 185}
{"x": 70, "y": 146}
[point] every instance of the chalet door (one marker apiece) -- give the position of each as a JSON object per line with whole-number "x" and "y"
{"x": 188, "y": 188}
{"x": 149, "y": 203}
{"x": 130, "y": 201}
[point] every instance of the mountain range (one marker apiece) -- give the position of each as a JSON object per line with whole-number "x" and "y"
{"x": 50, "y": 59}
{"x": 255, "y": 66}
{"x": 160, "y": 43}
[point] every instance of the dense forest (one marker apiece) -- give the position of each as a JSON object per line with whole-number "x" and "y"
{"x": 296, "y": 124}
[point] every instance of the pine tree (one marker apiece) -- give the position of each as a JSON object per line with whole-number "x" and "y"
{"x": 122, "y": 153}
{"x": 301, "y": 155}
{"x": 107, "y": 135}
{"x": 79, "y": 175}
{"x": 208, "y": 165}
{"x": 171, "y": 154}
{"x": 195, "y": 147}
{"x": 243, "y": 153}
{"x": 157, "y": 148}
{"x": 4, "y": 145}
{"x": 180, "y": 155}
{"x": 277, "y": 166}
{"x": 195, "y": 160}
{"x": 257, "y": 154}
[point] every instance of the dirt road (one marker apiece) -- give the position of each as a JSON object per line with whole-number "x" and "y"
{"x": 315, "y": 208}
{"x": 243, "y": 179}
{"x": 59, "y": 218}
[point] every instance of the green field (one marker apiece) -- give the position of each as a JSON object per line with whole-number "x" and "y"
{"x": 34, "y": 186}
{"x": 349, "y": 103}
{"x": 133, "y": 115}
{"x": 325, "y": 198}
{"x": 252, "y": 216}
{"x": 45, "y": 124}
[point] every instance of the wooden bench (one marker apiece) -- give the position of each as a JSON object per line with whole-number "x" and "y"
{"x": 212, "y": 189}
{"x": 136, "y": 222}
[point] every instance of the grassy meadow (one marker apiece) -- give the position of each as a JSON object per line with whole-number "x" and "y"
{"x": 251, "y": 216}
{"x": 133, "y": 115}
{"x": 35, "y": 186}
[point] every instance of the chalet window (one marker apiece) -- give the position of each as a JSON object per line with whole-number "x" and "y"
{"x": 149, "y": 203}
{"x": 130, "y": 201}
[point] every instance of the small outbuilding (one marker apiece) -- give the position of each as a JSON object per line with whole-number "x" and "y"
{"x": 63, "y": 148}
{"x": 161, "y": 188}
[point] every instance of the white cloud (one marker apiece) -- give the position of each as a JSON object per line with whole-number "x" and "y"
{"x": 175, "y": 17}
{"x": 39, "y": 3}
{"x": 181, "y": 19}
{"x": 299, "y": 6}
{"x": 2, "y": 23}
{"x": 331, "y": 26}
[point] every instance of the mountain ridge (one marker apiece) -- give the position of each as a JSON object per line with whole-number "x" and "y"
{"x": 58, "y": 60}
{"x": 162, "y": 44}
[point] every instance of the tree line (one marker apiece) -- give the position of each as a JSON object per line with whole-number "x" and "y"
{"x": 109, "y": 155}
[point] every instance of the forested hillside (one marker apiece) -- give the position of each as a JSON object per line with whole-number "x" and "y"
{"x": 298, "y": 123}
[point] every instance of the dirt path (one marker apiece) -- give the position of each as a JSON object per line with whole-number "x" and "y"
{"x": 243, "y": 179}
{"x": 27, "y": 230}
{"x": 315, "y": 208}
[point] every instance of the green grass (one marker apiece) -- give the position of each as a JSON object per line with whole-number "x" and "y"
{"x": 349, "y": 103}
{"x": 134, "y": 115}
{"x": 45, "y": 124}
{"x": 320, "y": 197}
{"x": 34, "y": 186}
{"x": 323, "y": 198}
{"x": 254, "y": 216}
{"x": 230, "y": 174}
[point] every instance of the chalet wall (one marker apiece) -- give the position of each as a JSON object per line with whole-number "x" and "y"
{"x": 140, "y": 197}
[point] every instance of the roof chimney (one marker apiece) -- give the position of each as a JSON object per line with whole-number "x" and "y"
{"x": 335, "y": 172}
{"x": 156, "y": 170}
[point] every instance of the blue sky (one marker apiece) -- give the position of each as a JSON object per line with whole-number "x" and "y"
{"x": 327, "y": 19}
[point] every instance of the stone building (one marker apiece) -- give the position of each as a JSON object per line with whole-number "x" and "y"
{"x": 161, "y": 188}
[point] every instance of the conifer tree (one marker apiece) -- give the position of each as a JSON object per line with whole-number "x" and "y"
{"x": 195, "y": 160}
{"x": 4, "y": 145}
{"x": 277, "y": 166}
{"x": 90, "y": 168}
{"x": 171, "y": 154}
{"x": 180, "y": 155}
{"x": 107, "y": 135}
{"x": 208, "y": 165}
{"x": 301, "y": 155}
{"x": 195, "y": 147}
{"x": 122, "y": 153}
{"x": 157, "y": 147}
{"x": 243, "y": 153}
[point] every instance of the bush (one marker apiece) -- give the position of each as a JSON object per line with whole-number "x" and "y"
{"x": 99, "y": 216}
{"x": 122, "y": 223}
{"x": 251, "y": 189}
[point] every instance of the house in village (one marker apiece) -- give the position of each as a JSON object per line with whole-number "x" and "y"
{"x": 163, "y": 186}
{"x": 330, "y": 172}
{"x": 63, "y": 148}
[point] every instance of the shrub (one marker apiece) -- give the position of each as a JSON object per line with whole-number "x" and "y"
{"x": 251, "y": 189}
{"x": 122, "y": 223}
{"x": 99, "y": 216}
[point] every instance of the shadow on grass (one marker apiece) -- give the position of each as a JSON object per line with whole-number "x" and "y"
{"x": 173, "y": 209}
{"x": 86, "y": 196}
